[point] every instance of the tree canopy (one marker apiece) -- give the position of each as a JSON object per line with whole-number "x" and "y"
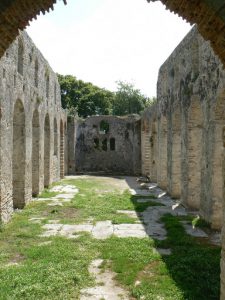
{"x": 87, "y": 99}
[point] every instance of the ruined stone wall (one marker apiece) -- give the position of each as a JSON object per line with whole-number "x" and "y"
{"x": 189, "y": 128}
{"x": 115, "y": 149}
{"x": 190, "y": 118}
{"x": 29, "y": 126}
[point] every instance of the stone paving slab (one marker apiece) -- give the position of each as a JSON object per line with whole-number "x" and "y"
{"x": 163, "y": 251}
{"x": 129, "y": 213}
{"x": 69, "y": 189}
{"x": 149, "y": 220}
{"x": 194, "y": 231}
{"x": 64, "y": 196}
{"x": 106, "y": 287}
{"x": 102, "y": 230}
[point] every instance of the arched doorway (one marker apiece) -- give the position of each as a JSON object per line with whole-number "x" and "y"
{"x": 47, "y": 151}
{"x": 35, "y": 153}
{"x": 19, "y": 152}
{"x": 61, "y": 149}
{"x": 195, "y": 126}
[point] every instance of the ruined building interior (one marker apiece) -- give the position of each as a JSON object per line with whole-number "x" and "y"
{"x": 178, "y": 142}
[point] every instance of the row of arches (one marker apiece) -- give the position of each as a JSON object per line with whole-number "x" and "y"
{"x": 183, "y": 153}
{"x": 20, "y": 150}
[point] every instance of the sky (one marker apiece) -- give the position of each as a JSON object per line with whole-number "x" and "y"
{"x": 104, "y": 41}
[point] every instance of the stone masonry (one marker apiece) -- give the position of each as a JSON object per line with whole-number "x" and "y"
{"x": 183, "y": 135}
{"x": 107, "y": 144}
{"x": 31, "y": 122}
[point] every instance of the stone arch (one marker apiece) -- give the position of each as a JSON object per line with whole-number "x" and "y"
{"x": 47, "y": 151}
{"x": 19, "y": 152}
{"x": 195, "y": 139}
{"x": 162, "y": 152}
{"x": 153, "y": 152}
{"x": 55, "y": 137}
{"x": 35, "y": 153}
{"x": 175, "y": 184}
{"x": 20, "y": 59}
{"x": 218, "y": 163}
{"x": 61, "y": 149}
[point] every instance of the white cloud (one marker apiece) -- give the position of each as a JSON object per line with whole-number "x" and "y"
{"x": 118, "y": 40}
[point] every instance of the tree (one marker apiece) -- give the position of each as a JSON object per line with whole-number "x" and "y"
{"x": 129, "y": 100}
{"x": 84, "y": 97}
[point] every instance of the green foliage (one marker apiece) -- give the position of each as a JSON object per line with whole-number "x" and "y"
{"x": 87, "y": 99}
{"x": 129, "y": 100}
{"x": 84, "y": 98}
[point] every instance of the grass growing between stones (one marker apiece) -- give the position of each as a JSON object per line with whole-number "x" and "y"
{"x": 30, "y": 268}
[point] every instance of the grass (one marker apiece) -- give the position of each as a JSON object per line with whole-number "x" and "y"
{"x": 59, "y": 270}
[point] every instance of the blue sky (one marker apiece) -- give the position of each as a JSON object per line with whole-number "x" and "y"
{"x": 103, "y": 41}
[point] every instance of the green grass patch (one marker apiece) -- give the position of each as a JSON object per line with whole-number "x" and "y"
{"x": 59, "y": 270}
{"x": 47, "y": 194}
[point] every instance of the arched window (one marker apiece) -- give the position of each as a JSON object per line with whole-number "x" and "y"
{"x": 20, "y": 56}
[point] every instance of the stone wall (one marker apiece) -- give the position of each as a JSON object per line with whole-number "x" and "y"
{"x": 189, "y": 123}
{"x": 30, "y": 121}
{"x": 105, "y": 144}
{"x": 183, "y": 134}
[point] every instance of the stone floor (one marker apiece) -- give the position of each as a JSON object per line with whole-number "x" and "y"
{"x": 147, "y": 223}
{"x": 106, "y": 287}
